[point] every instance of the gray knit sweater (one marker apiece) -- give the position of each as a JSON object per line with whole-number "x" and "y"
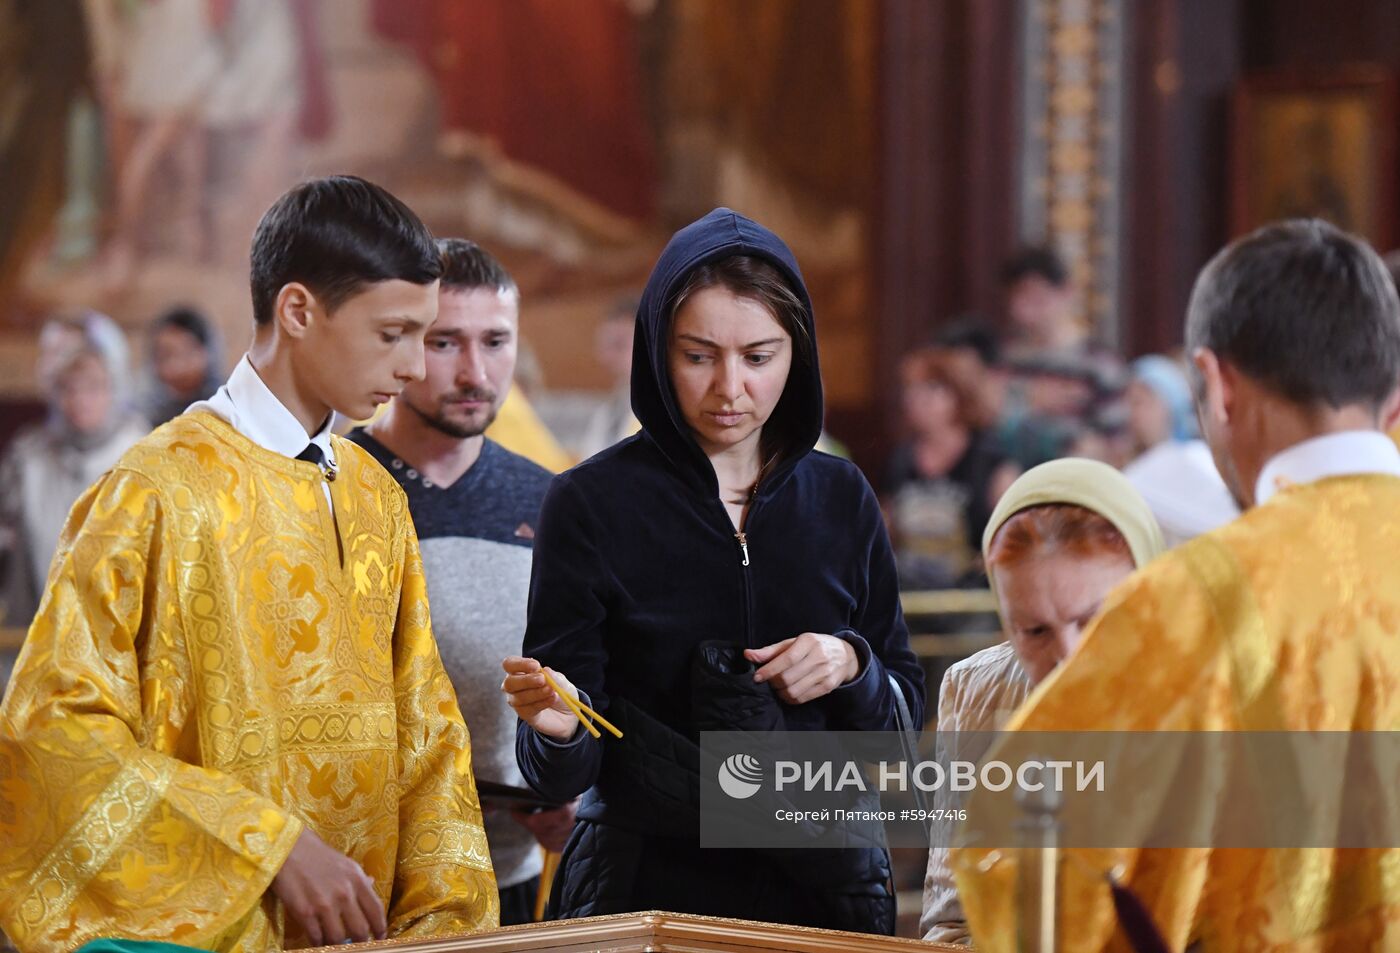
{"x": 477, "y": 538}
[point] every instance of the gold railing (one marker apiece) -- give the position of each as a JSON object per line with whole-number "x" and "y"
{"x": 952, "y": 645}
{"x": 926, "y": 609}
{"x": 947, "y": 601}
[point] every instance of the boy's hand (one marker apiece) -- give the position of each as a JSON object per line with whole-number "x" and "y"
{"x": 328, "y": 894}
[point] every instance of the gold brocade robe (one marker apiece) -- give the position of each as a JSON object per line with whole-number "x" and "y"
{"x": 217, "y": 662}
{"x": 1287, "y": 619}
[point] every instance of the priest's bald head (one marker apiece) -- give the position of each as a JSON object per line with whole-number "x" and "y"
{"x": 1293, "y": 332}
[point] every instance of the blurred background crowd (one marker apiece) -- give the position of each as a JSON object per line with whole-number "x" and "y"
{"x": 999, "y": 206}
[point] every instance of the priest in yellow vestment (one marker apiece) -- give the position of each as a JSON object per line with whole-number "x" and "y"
{"x": 1285, "y": 620}
{"x": 229, "y": 727}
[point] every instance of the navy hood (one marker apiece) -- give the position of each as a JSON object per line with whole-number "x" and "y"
{"x": 721, "y": 234}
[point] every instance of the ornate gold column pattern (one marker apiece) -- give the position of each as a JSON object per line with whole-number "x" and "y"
{"x": 1072, "y": 139}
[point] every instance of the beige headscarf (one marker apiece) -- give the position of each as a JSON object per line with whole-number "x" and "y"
{"x": 1088, "y": 483}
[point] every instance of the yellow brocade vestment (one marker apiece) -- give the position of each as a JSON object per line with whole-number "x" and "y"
{"x": 1287, "y": 619}
{"x": 218, "y": 660}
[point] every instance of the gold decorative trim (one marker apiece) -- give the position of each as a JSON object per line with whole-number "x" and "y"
{"x": 78, "y": 857}
{"x": 449, "y": 842}
{"x": 341, "y": 726}
{"x": 953, "y": 644}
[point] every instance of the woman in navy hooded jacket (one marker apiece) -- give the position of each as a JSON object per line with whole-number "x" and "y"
{"x": 718, "y": 521}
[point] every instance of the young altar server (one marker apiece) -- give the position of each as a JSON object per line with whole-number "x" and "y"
{"x": 229, "y": 726}
{"x": 1284, "y": 620}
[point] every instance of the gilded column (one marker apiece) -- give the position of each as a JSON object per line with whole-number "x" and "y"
{"x": 1073, "y": 134}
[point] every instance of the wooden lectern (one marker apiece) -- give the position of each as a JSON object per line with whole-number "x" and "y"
{"x": 656, "y": 932}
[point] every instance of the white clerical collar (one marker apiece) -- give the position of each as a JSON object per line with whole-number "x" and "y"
{"x": 1337, "y": 454}
{"x": 255, "y": 412}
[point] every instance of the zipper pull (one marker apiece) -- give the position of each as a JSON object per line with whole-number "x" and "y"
{"x": 743, "y": 545}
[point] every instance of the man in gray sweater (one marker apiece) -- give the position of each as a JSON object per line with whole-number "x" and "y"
{"x": 475, "y": 504}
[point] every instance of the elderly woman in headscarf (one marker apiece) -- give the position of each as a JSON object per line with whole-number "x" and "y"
{"x": 83, "y": 371}
{"x": 1061, "y": 538}
{"x": 1173, "y": 468}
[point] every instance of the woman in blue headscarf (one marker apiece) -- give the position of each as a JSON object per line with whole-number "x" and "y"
{"x": 1173, "y": 469}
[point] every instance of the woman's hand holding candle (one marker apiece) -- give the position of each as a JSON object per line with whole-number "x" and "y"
{"x": 537, "y": 704}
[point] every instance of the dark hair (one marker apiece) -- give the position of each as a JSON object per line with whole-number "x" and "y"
{"x": 1305, "y": 309}
{"x": 748, "y": 276}
{"x": 1035, "y": 262}
{"x": 466, "y": 265}
{"x": 336, "y": 235}
{"x": 971, "y": 333}
{"x": 185, "y": 318}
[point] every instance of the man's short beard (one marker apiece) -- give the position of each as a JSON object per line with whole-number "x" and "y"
{"x": 445, "y": 426}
